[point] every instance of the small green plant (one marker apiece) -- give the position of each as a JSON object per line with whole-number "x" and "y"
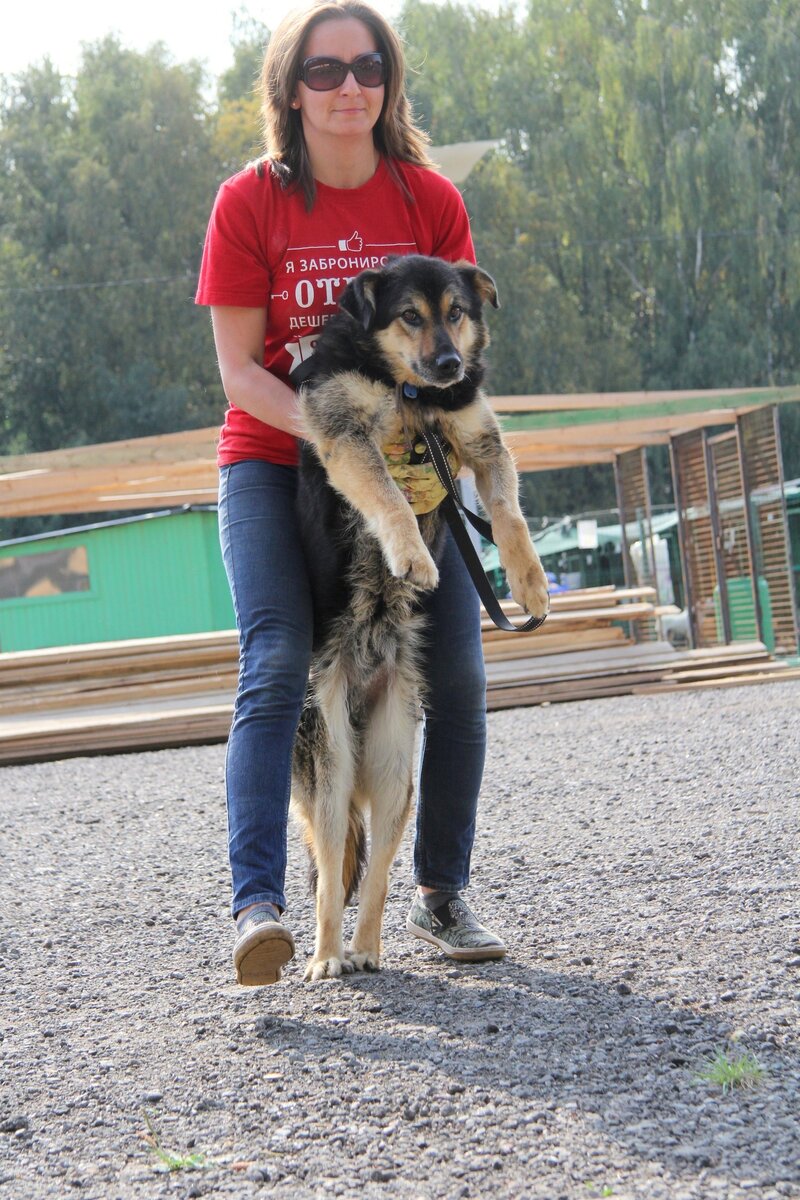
{"x": 169, "y": 1161}
{"x": 730, "y": 1071}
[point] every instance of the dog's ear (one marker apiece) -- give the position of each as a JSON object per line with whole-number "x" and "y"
{"x": 481, "y": 283}
{"x": 358, "y": 298}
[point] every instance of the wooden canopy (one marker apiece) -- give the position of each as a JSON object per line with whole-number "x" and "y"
{"x": 547, "y": 432}
{"x": 543, "y": 431}
{"x": 457, "y": 159}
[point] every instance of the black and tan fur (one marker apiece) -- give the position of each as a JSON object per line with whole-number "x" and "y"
{"x": 418, "y": 321}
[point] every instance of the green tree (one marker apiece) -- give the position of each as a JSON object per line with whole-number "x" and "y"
{"x": 641, "y": 212}
{"x": 763, "y": 40}
{"x": 237, "y": 120}
{"x": 106, "y": 189}
{"x": 37, "y": 153}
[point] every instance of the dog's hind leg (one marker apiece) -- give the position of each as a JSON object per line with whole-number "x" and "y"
{"x": 386, "y": 778}
{"x": 325, "y": 806}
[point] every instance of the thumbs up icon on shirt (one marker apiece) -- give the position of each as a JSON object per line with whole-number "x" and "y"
{"x": 354, "y": 242}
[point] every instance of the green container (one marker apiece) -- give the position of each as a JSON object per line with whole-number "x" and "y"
{"x": 149, "y": 576}
{"x": 744, "y": 627}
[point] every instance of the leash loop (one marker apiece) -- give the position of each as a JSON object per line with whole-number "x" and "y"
{"x": 453, "y": 510}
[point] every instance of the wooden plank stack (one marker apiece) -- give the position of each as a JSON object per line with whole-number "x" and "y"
{"x": 174, "y": 691}
{"x": 594, "y": 644}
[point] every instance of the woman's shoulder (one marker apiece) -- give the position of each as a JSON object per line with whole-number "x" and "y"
{"x": 438, "y": 217}
{"x": 253, "y": 198}
{"x": 256, "y": 180}
{"x": 426, "y": 181}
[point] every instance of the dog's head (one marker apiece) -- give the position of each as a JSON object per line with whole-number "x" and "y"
{"x": 425, "y": 316}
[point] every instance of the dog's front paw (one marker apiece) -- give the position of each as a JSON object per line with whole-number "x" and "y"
{"x": 414, "y": 564}
{"x": 327, "y": 968}
{"x": 364, "y": 960}
{"x": 529, "y": 588}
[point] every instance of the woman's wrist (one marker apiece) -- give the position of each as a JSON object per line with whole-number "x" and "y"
{"x": 267, "y": 398}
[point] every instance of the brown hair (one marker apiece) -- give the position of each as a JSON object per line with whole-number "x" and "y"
{"x": 396, "y": 135}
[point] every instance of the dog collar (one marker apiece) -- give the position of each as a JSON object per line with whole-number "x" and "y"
{"x": 410, "y": 392}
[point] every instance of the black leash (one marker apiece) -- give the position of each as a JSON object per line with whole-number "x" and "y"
{"x": 453, "y": 510}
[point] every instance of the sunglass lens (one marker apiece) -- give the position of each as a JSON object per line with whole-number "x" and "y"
{"x": 369, "y": 70}
{"x": 324, "y": 74}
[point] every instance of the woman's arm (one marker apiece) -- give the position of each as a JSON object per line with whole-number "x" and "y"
{"x": 239, "y": 339}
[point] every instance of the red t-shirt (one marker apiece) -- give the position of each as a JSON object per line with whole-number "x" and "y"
{"x": 263, "y": 250}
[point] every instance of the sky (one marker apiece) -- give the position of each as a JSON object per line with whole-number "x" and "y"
{"x": 34, "y": 30}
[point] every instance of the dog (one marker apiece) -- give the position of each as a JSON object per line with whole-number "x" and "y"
{"x": 404, "y": 353}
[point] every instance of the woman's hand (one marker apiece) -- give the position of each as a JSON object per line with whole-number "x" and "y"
{"x": 239, "y": 338}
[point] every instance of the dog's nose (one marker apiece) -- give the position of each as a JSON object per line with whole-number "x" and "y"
{"x": 448, "y": 362}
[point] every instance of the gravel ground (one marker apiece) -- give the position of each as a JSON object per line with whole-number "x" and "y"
{"x": 639, "y": 855}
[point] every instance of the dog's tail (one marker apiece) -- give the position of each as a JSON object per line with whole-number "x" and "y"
{"x": 355, "y": 854}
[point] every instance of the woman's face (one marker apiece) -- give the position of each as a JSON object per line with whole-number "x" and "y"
{"x": 349, "y": 110}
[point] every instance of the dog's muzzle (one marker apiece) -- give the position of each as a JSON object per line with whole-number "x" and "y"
{"x": 448, "y": 364}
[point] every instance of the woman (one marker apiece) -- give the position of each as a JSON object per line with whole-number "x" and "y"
{"x": 346, "y": 181}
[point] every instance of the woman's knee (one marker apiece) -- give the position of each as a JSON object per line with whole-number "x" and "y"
{"x": 273, "y": 669}
{"x": 460, "y": 688}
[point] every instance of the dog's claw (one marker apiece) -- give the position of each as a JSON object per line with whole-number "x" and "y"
{"x": 327, "y": 968}
{"x": 363, "y": 960}
{"x": 410, "y": 560}
{"x": 421, "y": 572}
{"x": 530, "y": 589}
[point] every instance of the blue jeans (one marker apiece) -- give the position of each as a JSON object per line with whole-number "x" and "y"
{"x": 269, "y": 584}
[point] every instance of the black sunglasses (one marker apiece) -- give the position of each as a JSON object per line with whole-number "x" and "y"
{"x": 323, "y": 74}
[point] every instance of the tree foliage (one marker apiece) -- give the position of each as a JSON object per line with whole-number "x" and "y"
{"x": 641, "y": 213}
{"x": 105, "y": 189}
{"x": 237, "y": 119}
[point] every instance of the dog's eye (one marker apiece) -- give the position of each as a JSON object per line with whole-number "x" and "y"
{"x": 412, "y": 317}
{"x": 456, "y": 313}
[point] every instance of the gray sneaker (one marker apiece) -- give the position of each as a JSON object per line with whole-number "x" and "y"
{"x": 455, "y": 930}
{"x": 263, "y": 946}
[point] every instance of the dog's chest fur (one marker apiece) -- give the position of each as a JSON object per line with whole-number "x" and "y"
{"x": 359, "y": 606}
